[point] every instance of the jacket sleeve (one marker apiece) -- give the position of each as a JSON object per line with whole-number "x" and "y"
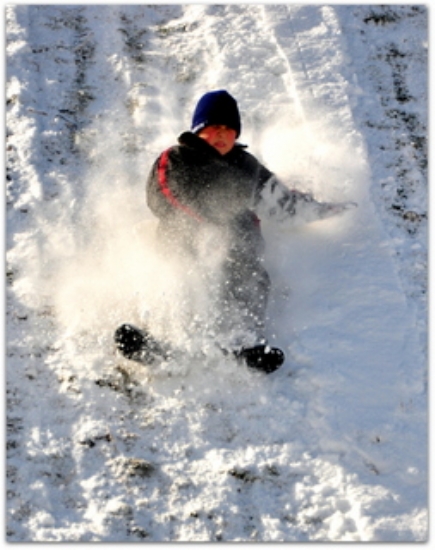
{"x": 162, "y": 195}
{"x": 276, "y": 201}
{"x": 157, "y": 202}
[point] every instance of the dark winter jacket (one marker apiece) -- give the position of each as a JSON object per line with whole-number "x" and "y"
{"x": 192, "y": 186}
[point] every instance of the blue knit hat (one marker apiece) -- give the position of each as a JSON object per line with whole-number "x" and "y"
{"x": 217, "y": 107}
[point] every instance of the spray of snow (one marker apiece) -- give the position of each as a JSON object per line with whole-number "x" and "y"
{"x": 106, "y": 264}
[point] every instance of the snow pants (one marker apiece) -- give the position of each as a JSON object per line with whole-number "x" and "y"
{"x": 245, "y": 292}
{"x": 238, "y": 283}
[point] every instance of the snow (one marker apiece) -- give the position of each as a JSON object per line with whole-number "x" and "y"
{"x": 330, "y": 448}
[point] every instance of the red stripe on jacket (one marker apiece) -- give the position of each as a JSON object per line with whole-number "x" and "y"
{"x": 162, "y": 168}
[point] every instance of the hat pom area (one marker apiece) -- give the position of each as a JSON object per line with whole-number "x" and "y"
{"x": 217, "y": 107}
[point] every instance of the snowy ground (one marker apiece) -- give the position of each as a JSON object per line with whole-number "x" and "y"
{"x": 333, "y": 446}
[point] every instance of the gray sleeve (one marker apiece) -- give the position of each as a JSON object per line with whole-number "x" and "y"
{"x": 276, "y": 201}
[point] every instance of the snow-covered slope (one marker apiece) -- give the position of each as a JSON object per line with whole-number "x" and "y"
{"x": 333, "y": 446}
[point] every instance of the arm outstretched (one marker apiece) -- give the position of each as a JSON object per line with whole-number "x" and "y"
{"x": 276, "y": 201}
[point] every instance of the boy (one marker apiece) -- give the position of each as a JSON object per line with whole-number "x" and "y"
{"x": 209, "y": 184}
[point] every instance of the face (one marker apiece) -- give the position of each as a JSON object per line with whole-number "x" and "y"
{"x": 220, "y": 137}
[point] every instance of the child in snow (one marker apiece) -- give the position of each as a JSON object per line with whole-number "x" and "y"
{"x": 209, "y": 182}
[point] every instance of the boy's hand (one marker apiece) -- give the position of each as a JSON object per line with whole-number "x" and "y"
{"x": 329, "y": 209}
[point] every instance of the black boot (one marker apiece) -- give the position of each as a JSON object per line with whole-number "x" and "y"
{"x": 138, "y": 345}
{"x": 262, "y": 358}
